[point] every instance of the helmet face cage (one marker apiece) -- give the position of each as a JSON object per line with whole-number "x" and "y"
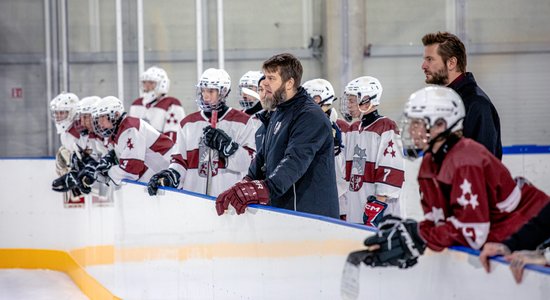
{"x": 111, "y": 108}
{"x": 64, "y": 110}
{"x": 161, "y": 80}
{"x": 321, "y": 88}
{"x": 415, "y": 136}
{"x": 250, "y": 81}
{"x": 426, "y": 108}
{"x": 84, "y": 110}
{"x": 217, "y": 79}
{"x": 367, "y": 91}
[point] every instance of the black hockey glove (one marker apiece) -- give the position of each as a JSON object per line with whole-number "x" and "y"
{"x": 168, "y": 177}
{"x": 65, "y": 182}
{"x": 399, "y": 243}
{"x": 76, "y": 162}
{"x": 87, "y": 177}
{"x": 106, "y": 162}
{"x": 338, "y": 145}
{"x": 217, "y": 139}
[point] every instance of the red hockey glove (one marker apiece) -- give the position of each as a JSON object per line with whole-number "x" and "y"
{"x": 241, "y": 195}
{"x": 374, "y": 211}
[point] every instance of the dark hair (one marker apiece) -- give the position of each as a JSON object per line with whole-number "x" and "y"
{"x": 287, "y": 65}
{"x": 449, "y": 46}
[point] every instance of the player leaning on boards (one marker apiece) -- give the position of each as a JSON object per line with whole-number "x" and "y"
{"x": 137, "y": 149}
{"x": 294, "y": 169}
{"x": 468, "y": 196}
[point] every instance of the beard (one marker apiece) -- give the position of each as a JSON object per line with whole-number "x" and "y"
{"x": 276, "y": 98}
{"x": 439, "y": 77}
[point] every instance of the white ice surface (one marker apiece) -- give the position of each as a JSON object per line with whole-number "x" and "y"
{"x": 285, "y": 278}
{"x": 20, "y": 284}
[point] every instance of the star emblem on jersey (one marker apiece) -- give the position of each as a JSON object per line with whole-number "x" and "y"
{"x": 467, "y": 197}
{"x": 172, "y": 119}
{"x": 436, "y": 214}
{"x": 129, "y": 144}
{"x": 389, "y": 149}
{"x": 357, "y": 168}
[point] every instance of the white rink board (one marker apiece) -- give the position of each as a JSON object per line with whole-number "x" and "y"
{"x": 175, "y": 247}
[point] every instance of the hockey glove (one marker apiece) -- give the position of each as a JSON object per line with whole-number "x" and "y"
{"x": 65, "y": 182}
{"x": 217, "y": 139}
{"x": 399, "y": 244}
{"x": 241, "y": 195}
{"x": 87, "y": 177}
{"x": 374, "y": 211}
{"x": 337, "y": 133}
{"x": 106, "y": 162}
{"x": 62, "y": 161}
{"x": 168, "y": 177}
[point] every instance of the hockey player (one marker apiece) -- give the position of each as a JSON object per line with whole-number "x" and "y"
{"x": 64, "y": 112}
{"x": 138, "y": 150}
{"x": 295, "y": 167}
{"x": 215, "y": 145}
{"x": 322, "y": 92}
{"x": 248, "y": 92}
{"x": 163, "y": 112}
{"x": 468, "y": 196}
{"x": 374, "y": 160}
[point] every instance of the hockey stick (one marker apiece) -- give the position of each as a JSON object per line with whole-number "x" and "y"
{"x": 213, "y": 123}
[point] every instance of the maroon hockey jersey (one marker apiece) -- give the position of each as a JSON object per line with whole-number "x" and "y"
{"x": 472, "y": 199}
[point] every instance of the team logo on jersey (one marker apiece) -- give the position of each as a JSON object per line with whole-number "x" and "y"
{"x": 467, "y": 197}
{"x": 357, "y": 168}
{"x": 389, "y": 149}
{"x": 208, "y": 159}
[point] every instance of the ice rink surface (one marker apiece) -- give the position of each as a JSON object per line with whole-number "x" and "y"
{"x": 20, "y": 284}
{"x": 223, "y": 278}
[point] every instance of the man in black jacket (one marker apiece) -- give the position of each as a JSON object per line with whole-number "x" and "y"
{"x": 445, "y": 64}
{"x": 295, "y": 167}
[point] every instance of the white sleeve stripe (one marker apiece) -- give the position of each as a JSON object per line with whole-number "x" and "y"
{"x": 475, "y": 239}
{"x": 511, "y": 202}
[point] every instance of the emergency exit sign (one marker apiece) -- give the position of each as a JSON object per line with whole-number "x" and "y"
{"x": 17, "y": 93}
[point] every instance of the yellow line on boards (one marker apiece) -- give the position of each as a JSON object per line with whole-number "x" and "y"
{"x": 54, "y": 260}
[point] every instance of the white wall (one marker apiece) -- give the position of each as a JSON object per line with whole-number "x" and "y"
{"x": 175, "y": 246}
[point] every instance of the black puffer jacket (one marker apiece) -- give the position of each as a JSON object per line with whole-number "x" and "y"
{"x": 297, "y": 158}
{"x": 481, "y": 123}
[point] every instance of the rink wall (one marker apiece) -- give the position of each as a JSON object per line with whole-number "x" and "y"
{"x": 175, "y": 246}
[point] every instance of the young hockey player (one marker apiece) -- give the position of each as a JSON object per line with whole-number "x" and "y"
{"x": 215, "y": 145}
{"x": 163, "y": 112}
{"x": 374, "y": 159}
{"x": 138, "y": 150}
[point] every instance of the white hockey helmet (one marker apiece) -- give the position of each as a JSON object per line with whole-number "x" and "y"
{"x": 162, "y": 83}
{"x": 111, "y": 107}
{"x": 64, "y": 109}
{"x": 366, "y": 89}
{"x": 248, "y": 89}
{"x": 213, "y": 79}
{"x": 424, "y": 109}
{"x": 322, "y": 88}
{"x": 85, "y": 106}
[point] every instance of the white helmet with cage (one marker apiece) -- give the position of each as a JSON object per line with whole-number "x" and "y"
{"x": 248, "y": 89}
{"x": 111, "y": 107}
{"x": 320, "y": 88}
{"x": 161, "y": 80}
{"x": 64, "y": 110}
{"x": 424, "y": 109}
{"x": 85, "y": 106}
{"x": 366, "y": 90}
{"x": 213, "y": 79}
